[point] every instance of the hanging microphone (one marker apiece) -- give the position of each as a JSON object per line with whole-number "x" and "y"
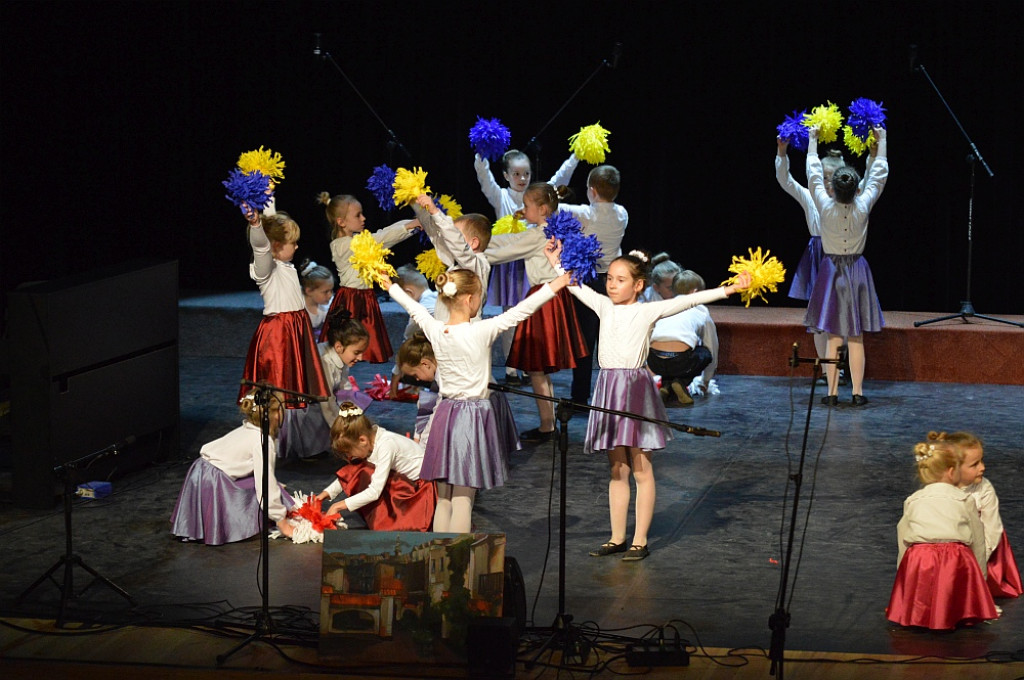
{"x": 794, "y": 360}
{"x": 616, "y": 55}
{"x": 316, "y": 45}
{"x": 912, "y": 57}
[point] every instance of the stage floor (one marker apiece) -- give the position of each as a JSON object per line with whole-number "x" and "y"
{"x": 716, "y": 541}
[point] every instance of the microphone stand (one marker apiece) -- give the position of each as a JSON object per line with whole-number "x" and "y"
{"x": 564, "y": 636}
{"x": 533, "y": 146}
{"x": 966, "y": 307}
{"x": 265, "y": 393}
{"x": 69, "y": 560}
{"x": 393, "y": 141}
{"x": 778, "y": 622}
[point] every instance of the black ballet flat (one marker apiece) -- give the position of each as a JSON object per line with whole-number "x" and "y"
{"x": 859, "y": 400}
{"x": 831, "y": 400}
{"x": 609, "y": 549}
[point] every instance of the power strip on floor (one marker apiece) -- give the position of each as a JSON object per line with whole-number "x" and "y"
{"x": 654, "y": 653}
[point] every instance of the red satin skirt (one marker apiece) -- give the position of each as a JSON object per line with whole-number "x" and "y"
{"x": 550, "y": 339}
{"x": 362, "y": 303}
{"x": 938, "y": 586}
{"x": 283, "y": 353}
{"x": 1003, "y": 576}
{"x": 404, "y": 505}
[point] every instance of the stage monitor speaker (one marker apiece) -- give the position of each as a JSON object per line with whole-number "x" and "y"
{"x": 94, "y": 361}
{"x": 514, "y": 598}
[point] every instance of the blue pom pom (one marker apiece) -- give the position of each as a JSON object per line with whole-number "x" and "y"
{"x": 490, "y": 138}
{"x": 252, "y": 189}
{"x": 381, "y": 185}
{"x": 864, "y": 115}
{"x": 793, "y": 131}
{"x": 561, "y": 225}
{"x": 580, "y": 255}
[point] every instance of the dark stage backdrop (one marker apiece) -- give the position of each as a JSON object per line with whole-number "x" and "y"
{"x": 120, "y": 119}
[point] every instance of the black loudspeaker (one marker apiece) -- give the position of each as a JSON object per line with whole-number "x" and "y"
{"x": 94, "y": 361}
{"x": 491, "y": 645}
{"x": 514, "y": 597}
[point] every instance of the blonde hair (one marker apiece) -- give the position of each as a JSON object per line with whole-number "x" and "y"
{"x": 281, "y": 228}
{"x": 465, "y": 282}
{"x": 253, "y": 412}
{"x": 966, "y": 440}
{"x": 347, "y": 429}
{"x": 336, "y": 208}
{"x": 475, "y": 224}
{"x": 935, "y": 456}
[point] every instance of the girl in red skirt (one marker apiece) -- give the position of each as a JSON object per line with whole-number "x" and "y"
{"x": 940, "y": 582}
{"x": 382, "y": 479}
{"x": 283, "y": 350}
{"x": 345, "y": 215}
{"x": 551, "y": 339}
{"x": 1002, "y": 575}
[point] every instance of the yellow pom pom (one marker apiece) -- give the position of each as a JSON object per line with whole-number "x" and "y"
{"x": 368, "y": 258}
{"x": 765, "y": 274}
{"x": 828, "y": 119}
{"x": 854, "y": 143}
{"x": 409, "y": 184}
{"x": 508, "y": 225}
{"x": 430, "y": 265}
{"x": 263, "y": 160}
{"x": 590, "y": 144}
{"x": 451, "y": 207}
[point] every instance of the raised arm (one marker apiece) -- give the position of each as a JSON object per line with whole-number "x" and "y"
{"x": 263, "y": 258}
{"x": 564, "y": 173}
{"x": 878, "y": 172}
{"x": 509, "y": 247}
{"x": 490, "y": 188}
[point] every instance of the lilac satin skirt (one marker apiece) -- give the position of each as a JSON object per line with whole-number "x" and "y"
{"x": 844, "y": 301}
{"x": 469, "y": 442}
{"x": 807, "y": 270}
{"x": 215, "y": 509}
{"x": 632, "y": 390}
{"x": 508, "y": 285}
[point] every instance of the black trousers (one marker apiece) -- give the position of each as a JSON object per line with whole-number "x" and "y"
{"x": 679, "y": 366}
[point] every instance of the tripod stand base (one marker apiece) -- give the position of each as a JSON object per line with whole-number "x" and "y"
{"x": 967, "y": 312}
{"x": 567, "y": 639}
{"x": 67, "y": 588}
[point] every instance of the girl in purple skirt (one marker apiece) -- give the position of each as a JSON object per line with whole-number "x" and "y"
{"x": 470, "y": 433}
{"x": 843, "y": 301}
{"x": 625, "y": 384}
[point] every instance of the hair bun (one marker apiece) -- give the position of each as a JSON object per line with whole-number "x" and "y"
{"x": 323, "y": 198}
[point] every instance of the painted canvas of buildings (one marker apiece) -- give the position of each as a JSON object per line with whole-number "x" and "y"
{"x": 396, "y": 596}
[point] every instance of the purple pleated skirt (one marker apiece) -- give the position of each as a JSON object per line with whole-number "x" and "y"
{"x": 844, "y": 301}
{"x": 807, "y": 270}
{"x": 469, "y": 442}
{"x": 632, "y": 390}
{"x": 508, "y": 284}
{"x": 215, "y": 509}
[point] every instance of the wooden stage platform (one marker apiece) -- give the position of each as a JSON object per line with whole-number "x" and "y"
{"x": 759, "y": 341}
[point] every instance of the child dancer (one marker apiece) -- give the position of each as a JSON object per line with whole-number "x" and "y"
{"x": 345, "y": 215}
{"x": 551, "y": 340}
{"x": 679, "y": 351}
{"x": 460, "y": 243}
{"x": 220, "y": 498}
{"x": 416, "y": 286}
{"x": 509, "y": 284}
{"x": 307, "y": 433}
{"x": 624, "y": 384}
{"x": 283, "y": 349}
{"x": 663, "y": 275}
{"x": 317, "y": 289}
{"x": 807, "y": 271}
{"x": 607, "y": 220}
{"x": 416, "y": 358}
{"x": 843, "y": 300}
{"x": 1003, "y": 577}
{"x": 382, "y": 479}
{"x": 469, "y": 440}
{"x": 940, "y": 581}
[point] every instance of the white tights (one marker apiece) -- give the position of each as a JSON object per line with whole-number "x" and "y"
{"x": 454, "y": 510}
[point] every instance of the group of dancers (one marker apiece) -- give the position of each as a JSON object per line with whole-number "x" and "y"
{"x": 465, "y": 432}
